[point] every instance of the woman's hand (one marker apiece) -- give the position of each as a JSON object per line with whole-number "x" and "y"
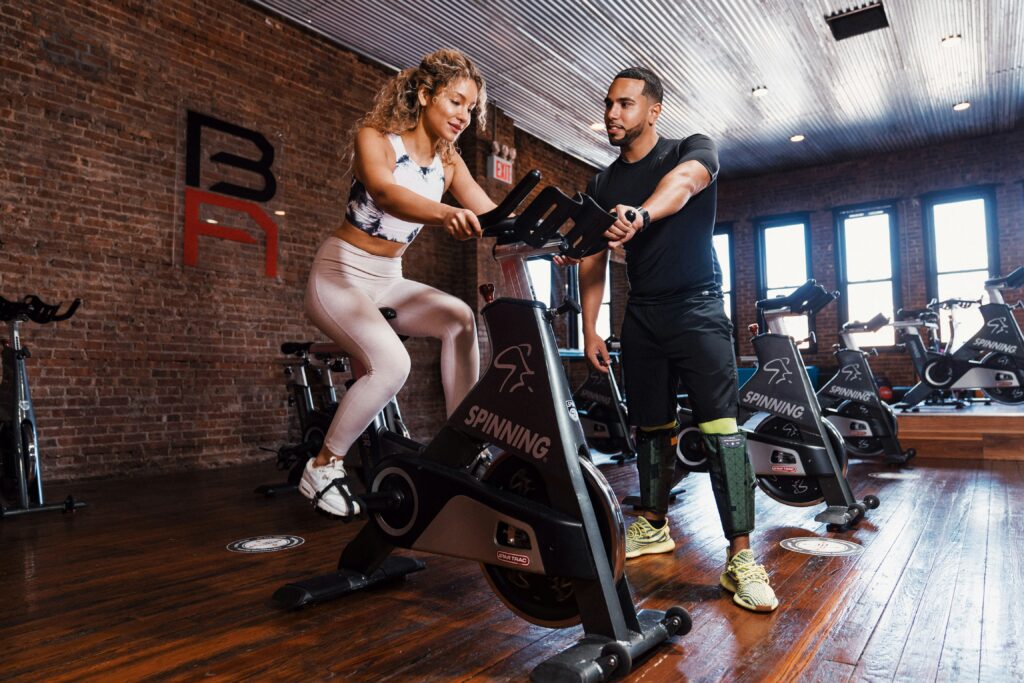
{"x": 462, "y": 224}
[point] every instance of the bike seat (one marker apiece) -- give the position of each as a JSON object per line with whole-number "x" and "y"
{"x": 873, "y": 325}
{"x": 293, "y": 348}
{"x": 1014, "y": 280}
{"x": 809, "y": 297}
{"x": 925, "y": 314}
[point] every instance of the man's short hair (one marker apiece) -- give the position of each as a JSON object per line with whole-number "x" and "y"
{"x": 652, "y": 84}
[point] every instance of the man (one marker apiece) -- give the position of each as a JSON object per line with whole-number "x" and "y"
{"x": 675, "y": 328}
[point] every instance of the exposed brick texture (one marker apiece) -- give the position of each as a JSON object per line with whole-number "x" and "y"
{"x": 996, "y": 160}
{"x": 168, "y": 366}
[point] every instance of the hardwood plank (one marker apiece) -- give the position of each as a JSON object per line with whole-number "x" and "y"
{"x": 139, "y": 585}
{"x": 1003, "y": 625}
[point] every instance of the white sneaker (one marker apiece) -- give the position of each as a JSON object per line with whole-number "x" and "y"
{"x": 328, "y": 488}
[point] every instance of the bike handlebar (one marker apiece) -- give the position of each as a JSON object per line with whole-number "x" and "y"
{"x": 809, "y": 297}
{"x": 878, "y": 322}
{"x": 35, "y": 309}
{"x": 543, "y": 218}
{"x": 950, "y": 304}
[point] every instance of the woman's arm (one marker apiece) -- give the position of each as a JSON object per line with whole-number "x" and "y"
{"x": 374, "y": 167}
{"x": 467, "y": 191}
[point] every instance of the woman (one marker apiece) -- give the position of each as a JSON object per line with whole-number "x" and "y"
{"x": 404, "y": 161}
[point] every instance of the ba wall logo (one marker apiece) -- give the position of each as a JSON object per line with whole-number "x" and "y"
{"x": 513, "y": 361}
{"x": 239, "y": 198}
{"x": 779, "y": 370}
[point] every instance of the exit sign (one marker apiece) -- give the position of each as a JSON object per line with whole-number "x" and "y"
{"x": 499, "y": 169}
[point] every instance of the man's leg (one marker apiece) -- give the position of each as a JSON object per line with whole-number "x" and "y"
{"x": 708, "y": 369}
{"x": 650, "y": 397}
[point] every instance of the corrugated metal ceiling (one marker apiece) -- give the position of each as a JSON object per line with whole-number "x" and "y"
{"x": 548, "y": 64}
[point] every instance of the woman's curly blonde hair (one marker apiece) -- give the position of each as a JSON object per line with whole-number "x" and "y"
{"x": 396, "y": 108}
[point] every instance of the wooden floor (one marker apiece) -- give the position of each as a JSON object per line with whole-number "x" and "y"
{"x": 139, "y": 585}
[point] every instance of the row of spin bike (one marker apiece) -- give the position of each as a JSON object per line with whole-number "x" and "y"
{"x": 989, "y": 363}
{"x": 510, "y": 483}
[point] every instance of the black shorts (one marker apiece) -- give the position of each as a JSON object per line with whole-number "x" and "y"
{"x": 685, "y": 346}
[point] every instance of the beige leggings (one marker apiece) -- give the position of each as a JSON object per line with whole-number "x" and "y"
{"x": 346, "y": 287}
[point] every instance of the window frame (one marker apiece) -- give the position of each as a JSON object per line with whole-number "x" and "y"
{"x": 839, "y": 214}
{"x": 764, "y": 223}
{"x": 929, "y": 201}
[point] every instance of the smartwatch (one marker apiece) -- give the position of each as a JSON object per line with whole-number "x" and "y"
{"x": 646, "y": 216}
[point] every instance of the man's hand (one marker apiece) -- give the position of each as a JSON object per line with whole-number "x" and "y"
{"x": 596, "y": 352}
{"x": 623, "y": 230}
{"x": 461, "y": 223}
{"x": 566, "y": 260}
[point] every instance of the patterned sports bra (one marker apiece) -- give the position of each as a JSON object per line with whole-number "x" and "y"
{"x": 427, "y": 181}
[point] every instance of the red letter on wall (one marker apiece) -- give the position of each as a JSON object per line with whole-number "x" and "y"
{"x": 194, "y": 227}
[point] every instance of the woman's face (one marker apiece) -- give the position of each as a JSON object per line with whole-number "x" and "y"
{"x": 448, "y": 113}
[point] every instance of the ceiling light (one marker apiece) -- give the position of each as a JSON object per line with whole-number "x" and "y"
{"x": 759, "y": 91}
{"x": 597, "y": 127}
{"x": 797, "y": 138}
{"x": 279, "y": 213}
{"x": 211, "y": 220}
{"x": 952, "y": 40}
{"x": 960, "y": 106}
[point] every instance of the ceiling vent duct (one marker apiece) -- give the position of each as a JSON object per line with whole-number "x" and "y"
{"x": 855, "y": 21}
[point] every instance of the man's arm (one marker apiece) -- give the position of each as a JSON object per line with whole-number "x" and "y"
{"x": 697, "y": 168}
{"x": 676, "y": 189}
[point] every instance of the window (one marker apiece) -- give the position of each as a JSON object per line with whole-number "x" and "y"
{"x": 962, "y": 253}
{"x": 865, "y": 265}
{"x": 604, "y": 314}
{"x": 722, "y": 242}
{"x": 539, "y": 270}
{"x": 784, "y": 248}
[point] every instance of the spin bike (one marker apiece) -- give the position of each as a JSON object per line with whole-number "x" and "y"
{"x": 992, "y": 360}
{"x": 21, "y": 473}
{"x": 797, "y": 455}
{"x": 313, "y": 394}
{"x": 851, "y": 403}
{"x": 541, "y": 520}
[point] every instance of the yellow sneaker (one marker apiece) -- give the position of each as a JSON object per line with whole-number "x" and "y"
{"x": 748, "y": 582}
{"x": 644, "y": 539}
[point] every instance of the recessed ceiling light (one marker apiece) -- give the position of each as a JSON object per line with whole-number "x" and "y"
{"x": 759, "y": 91}
{"x": 797, "y": 138}
{"x": 960, "y": 106}
{"x": 597, "y": 126}
{"x": 279, "y": 213}
{"x": 211, "y": 220}
{"x": 952, "y": 40}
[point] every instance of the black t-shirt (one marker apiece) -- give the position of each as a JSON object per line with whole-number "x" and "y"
{"x": 673, "y": 259}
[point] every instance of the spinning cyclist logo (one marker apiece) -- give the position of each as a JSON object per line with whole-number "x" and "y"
{"x": 513, "y": 360}
{"x": 780, "y": 372}
{"x": 998, "y": 325}
{"x": 851, "y": 373}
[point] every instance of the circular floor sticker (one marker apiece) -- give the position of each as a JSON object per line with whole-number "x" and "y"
{"x": 894, "y": 475}
{"x": 265, "y": 544}
{"x": 823, "y": 547}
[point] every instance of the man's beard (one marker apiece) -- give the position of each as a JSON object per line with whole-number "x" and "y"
{"x": 628, "y": 136}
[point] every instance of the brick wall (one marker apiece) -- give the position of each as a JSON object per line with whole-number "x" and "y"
{"x": 168, "y": 366}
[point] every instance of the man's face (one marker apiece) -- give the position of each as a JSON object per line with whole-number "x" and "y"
{"x": 627, "y": 111}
